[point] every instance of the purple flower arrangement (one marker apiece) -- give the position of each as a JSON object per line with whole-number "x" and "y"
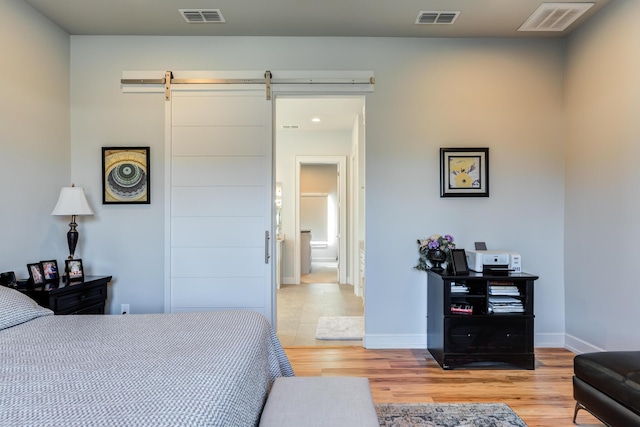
{"x": 436, "y": 242}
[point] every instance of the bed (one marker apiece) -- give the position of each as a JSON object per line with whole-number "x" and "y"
{"x": 182, "y": 369}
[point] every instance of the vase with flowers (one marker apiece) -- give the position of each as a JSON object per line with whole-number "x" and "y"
{"x": 434, "y": 251}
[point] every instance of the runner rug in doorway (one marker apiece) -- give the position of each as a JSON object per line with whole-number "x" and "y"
{"x": 340, "y": 328}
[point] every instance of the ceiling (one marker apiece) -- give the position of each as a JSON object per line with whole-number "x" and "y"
{"x": 300, "y": 18}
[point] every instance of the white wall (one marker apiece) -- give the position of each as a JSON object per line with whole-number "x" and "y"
{"x": 505, "y": 95}
{"x": 602, "y": 228}
{"x": 429, "y": 93}
{"x": 126, "y": 241}
{"x": 34, "y": 138}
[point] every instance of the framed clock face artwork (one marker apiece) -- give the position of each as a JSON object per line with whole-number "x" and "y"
{"x": 125, "y": 175}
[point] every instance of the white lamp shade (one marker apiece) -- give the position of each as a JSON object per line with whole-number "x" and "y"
{"x": 72, "y": 201}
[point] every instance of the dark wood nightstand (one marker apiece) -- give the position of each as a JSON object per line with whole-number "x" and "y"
{"x": 87, "y": 297}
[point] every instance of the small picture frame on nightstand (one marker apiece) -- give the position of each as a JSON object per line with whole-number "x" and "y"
{"x": 36, "y": 274}
{"x": 50, "y": 269}
{"x": 75, "y": 272}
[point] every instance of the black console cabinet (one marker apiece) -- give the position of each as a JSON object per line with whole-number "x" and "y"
{"x": 486, "y": 320}
{"x": 87, "y": 297}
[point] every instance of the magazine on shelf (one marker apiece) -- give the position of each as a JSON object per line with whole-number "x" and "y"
{"x": 459, "y": 288}
{"x": 504, "y": 290}
{"x": 505, "y": 304}
{"x": 461, "y": 309}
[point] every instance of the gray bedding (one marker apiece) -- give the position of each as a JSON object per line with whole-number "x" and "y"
{"x": 188, "y": 369}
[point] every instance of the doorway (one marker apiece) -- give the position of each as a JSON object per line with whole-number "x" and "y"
{"x": 319, "y": 213}
{"x": 321, "y": 206}
{"x": 321, "y": 135}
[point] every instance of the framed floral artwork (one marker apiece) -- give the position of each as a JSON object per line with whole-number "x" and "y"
{"x": 125, "y": 175}
{"x": 464, "y": 172}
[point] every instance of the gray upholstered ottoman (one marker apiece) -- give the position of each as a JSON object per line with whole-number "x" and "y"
{"x": 319, "y": 402}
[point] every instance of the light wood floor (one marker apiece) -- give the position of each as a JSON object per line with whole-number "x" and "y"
{"x": 300, "y": 306}
{"x": 541, "y": 397}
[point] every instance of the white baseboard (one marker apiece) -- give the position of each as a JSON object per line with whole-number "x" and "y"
{"x": 288, "y": 281}
{"x": 579, "y": 346}
{"x": 555, "y": 340}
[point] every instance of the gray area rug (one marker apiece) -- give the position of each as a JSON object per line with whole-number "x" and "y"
{"x": 447, "y": 415}
{"x": 340, "y": 328}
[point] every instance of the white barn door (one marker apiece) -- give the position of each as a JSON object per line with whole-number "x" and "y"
{"x": 219, "y": 204}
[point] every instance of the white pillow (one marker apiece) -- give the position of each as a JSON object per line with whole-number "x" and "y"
{"x": 17, "y": 308}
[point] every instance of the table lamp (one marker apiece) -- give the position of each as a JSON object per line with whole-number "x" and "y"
{"x": 73, "y": 202}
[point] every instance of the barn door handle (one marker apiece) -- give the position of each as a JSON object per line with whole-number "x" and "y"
{"x": 266, "y": 247}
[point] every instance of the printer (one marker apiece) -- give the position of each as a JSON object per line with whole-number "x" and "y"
{"x": 494, "y": 261}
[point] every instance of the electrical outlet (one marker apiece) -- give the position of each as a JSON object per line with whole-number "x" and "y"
{"x": 124, "y": 308}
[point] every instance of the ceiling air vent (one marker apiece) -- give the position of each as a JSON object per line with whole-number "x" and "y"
{"x": 431, "y": 17}
{"x": 202, "y": 16}
{"x": 555, "y": 16}
{"x": 290, "y": 126}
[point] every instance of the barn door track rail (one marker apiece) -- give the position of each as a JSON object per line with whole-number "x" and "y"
{"x": 268, "y": 80}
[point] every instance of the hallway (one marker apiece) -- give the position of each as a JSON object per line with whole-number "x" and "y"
{"x": 300, "y": 306}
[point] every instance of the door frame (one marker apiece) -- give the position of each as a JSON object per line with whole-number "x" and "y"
{"x": 341, "y": 163}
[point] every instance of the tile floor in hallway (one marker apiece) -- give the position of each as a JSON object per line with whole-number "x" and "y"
{"x": 319, "y": 294}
